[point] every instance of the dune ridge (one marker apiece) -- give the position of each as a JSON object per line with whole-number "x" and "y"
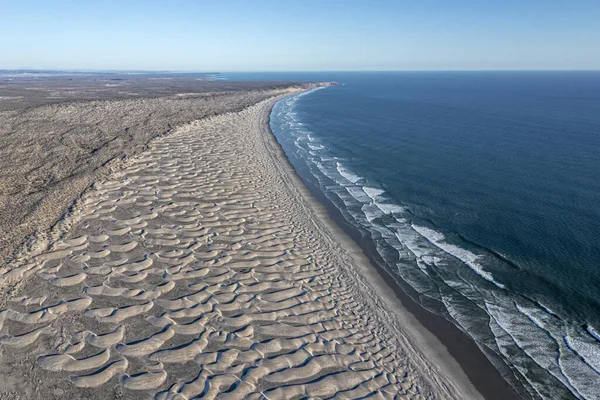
{"x": 199, "y": 270}
{"x": 50, "y": 152}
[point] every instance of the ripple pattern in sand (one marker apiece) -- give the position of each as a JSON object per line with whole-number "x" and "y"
{"x": 190, "y": 274}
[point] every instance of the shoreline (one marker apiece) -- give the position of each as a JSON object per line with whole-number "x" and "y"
{"x": 459, "y": 357}
{"x": 204, "y": 257}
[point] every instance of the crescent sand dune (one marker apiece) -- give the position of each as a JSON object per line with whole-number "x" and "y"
{"x": 204, "y": 268}
{"x": 51, "y": 152}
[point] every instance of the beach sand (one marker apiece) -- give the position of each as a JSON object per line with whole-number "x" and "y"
{"x": 204, "y": 268}
{"x": 51, "y": 152}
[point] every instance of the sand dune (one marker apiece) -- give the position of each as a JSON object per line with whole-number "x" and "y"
{"x": 198, "y": 271}
{"x": 50, "y": 153}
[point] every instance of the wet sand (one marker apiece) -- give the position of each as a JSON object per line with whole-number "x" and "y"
{"x": 486, "y": 378}
{"x": 458, "y": 357}
{"x": 204, "y": 268}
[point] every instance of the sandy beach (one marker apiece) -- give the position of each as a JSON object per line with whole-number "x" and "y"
{"x": 204, "y": 268}
{"x": 59, "y": 135}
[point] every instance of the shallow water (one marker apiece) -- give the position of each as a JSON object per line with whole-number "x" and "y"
{"x": 481, "y": 191}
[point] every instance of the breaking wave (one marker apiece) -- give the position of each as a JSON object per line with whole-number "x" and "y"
{"x": 531, "y": 345}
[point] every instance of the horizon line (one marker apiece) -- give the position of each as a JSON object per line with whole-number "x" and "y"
{"x": 86, "y": 70}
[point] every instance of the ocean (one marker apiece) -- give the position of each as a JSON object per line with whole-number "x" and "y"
{"x": 480, "y": 191}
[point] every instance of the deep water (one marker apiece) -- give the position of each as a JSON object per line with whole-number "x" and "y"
{"x": 480, "y": 190}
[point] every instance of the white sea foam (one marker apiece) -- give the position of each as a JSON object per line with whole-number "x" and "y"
{"x": 582, "y": 378}
{"x": 530, "y": 328}
{"x": 371, "y": 212}
{"x": 535, "y": 315}
{"x": 593, "y": 332}
{"x": 347, "y": 174}
{"x": 511, "y": 328}
{"x": 325, "y": 171}
{"x": 372, "y": 192}
{"x": 317, "y": 147}
{"x": 390, "y": 208}
{"x": 358, "y": 194}
{"x": 589, "y": 351}
{"x": 411, "y": 242}
{"x": 470, "y": 259}
{"x": 539, "y": 344}
{"x": 548, "y": 309}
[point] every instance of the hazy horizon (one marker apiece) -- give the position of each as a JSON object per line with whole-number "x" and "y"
{"x": 83, "y": 70}
{"x": 269, "y": 36}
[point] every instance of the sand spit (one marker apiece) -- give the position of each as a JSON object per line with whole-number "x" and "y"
{"x": 201, "y": 270}
{"x": 51, "y": 153}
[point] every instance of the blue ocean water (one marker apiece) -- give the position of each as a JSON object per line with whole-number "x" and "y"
{"x": 481, "y": 191}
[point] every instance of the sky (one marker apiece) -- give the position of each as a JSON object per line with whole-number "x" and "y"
{"x": 302, "y": 35}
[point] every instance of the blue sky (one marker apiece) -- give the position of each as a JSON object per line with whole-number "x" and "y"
{"x": 196, "y": 35}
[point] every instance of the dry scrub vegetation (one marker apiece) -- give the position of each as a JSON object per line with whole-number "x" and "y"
{"x": 50, "y": 153}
